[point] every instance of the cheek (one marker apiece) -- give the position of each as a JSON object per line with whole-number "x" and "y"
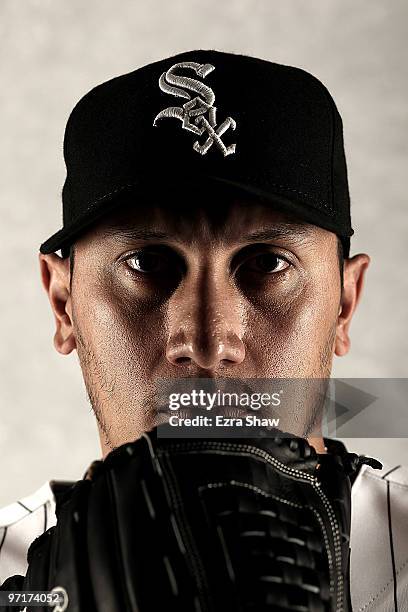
{"x": 122, "y": 333}
{"x": 292, "y": 341}
{"x": 119, "y": 350}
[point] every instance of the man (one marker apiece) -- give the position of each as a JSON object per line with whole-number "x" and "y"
{"x": 206, "y": 234}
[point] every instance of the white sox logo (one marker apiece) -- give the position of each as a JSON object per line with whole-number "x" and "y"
{"x": 192, "y": 113}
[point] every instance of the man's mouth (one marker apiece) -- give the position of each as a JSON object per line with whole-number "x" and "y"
{"x": 163, "y": 413}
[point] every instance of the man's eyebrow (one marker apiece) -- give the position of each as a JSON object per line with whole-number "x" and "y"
{"x": 291, "y": 231}
{"x": 134, "y": 233}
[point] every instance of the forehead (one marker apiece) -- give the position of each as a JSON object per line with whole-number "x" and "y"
{"x": 203, "y": 217}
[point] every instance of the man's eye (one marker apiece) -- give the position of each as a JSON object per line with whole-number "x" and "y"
{"x": 148, "y": 262}
{"x": 267, "y": 263}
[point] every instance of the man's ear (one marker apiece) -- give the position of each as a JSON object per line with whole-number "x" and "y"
{"x": 55, "y": 276}
{"x": 353, "y": 280}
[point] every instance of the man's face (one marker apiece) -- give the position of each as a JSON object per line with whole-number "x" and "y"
{"x": 249, "y": 293}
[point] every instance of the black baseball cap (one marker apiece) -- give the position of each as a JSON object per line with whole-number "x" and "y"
{"x": 204, "y": 118}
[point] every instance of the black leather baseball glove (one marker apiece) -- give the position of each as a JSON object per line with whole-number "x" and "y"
{"x": 202, "y": 526}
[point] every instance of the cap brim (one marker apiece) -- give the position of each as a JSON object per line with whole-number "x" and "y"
{"x": 96, "y": 211}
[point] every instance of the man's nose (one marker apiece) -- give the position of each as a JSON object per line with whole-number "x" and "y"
{"x": 206, "y": 325}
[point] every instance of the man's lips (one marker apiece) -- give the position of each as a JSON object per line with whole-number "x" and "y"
{"x": 226, "y": 411}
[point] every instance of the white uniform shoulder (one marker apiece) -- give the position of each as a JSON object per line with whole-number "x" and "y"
{"x": 379, "y": 540}
{"x": 20, "y": 523}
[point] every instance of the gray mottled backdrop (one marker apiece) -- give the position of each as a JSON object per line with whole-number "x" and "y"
{"x": 52, "y": 51}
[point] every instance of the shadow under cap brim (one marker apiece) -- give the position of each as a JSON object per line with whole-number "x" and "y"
{"x": 65, "y": 237}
